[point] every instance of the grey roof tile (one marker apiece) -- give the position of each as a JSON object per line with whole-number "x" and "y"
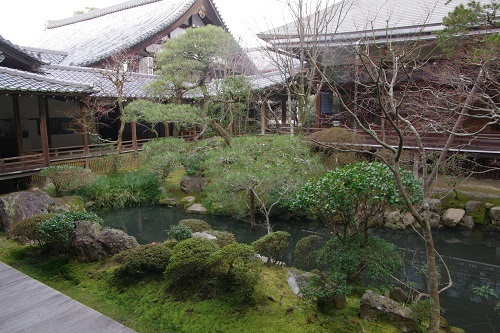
{"x": 17, "y": 80}
{"x": 267, "y": 80}
{"x": 134, "y": 87}
{"x": 91, "y": 37}
{"x": 46, "y": 56}
{"x": 357, "y": 19}
{"x": 13, "y": 46}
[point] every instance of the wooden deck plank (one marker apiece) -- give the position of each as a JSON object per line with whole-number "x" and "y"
{"x": 27, "y": 305}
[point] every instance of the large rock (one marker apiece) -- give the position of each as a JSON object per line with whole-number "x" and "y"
{"x": 399, "y": 295}
{"x": 196, "y": 209}
{"x": 433, "y": 218}
{"x": 434, "y": 204}
{"x": 92, "y": 242}
{"x": 192, "y": 185}
{"x": 474, "y": 207}
{"x": 467, "y": 222}
{"x": 495, "y": 215}
{"x": 377, "y": 307}
{"x": 452, "y": 217}
{"x": 298, "y": 280}
{"x": 17, "y": 206}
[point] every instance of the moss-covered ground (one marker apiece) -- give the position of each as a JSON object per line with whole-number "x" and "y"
{"x": 144, "y": 305}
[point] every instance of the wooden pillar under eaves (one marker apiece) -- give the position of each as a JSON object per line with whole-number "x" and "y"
{"x": 44, "y": 135}
{"x": 283, "y": 111}
{"x": 318, "y": 110}
{"x": 17, "y": 121}
{"x": 85, "y": 134}
{"x": 133, "y": 126}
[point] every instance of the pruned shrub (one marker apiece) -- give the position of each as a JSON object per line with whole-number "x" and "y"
{"x": 179, "y": 232}
{"x": 28, "y": 229}
{"x": 150, "y": 258}
{"x": 189, "y": 267}
{"x": 224, "y": 238}
{"x": 273, "y": 245}
{"x": 196, "y": 225}
{"x": 67, "y": 177}
{"x": 306, "y": 251}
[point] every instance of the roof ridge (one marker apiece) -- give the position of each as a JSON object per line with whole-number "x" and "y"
{"x": 35, "y": 76}
{"x": 18, "y": 49}
{"x": 51, "y": 51}
{"x": 98, "y": 13}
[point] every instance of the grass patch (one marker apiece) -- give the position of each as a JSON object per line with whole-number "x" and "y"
{"x": 144, "y": 306}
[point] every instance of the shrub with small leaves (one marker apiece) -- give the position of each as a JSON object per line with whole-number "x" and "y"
{"x": 189, "y": 264}
{"x": 150, "y": 258}
{"x": 223, "y": 237}
{"x": 273, "y": 245}
{"x": 67, "y": 177}
{"x": 306, "y": 251}
{"x": 196, "y": 225}
{"x": 179, "y": 232}
{"x": 28, "y": 229}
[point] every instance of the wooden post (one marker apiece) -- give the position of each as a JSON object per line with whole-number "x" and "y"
{"x": 85, "y": 134}
{"x": 318, "y": 110}
{"x": 44, "y": 135}
{"x": 263, "y": 119}
{"x": 17, "y": 120}
{"x": 133, "y": 127}
{"x": 283, "y": 111}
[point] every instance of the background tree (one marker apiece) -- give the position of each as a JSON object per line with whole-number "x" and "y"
{"x": 390, "y": 74}
{"x": 199, "y": 65}
{"x": 258, "y": 174}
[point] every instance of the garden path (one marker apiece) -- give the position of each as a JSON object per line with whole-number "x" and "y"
{"x": 29, "y": 306}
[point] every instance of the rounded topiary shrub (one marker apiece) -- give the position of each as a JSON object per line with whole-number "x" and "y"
{"x": 189, "y": 265}
{"x": 224, "y": 238}
{"x": 273, "y": 245}
{"x": 179, "y": 232}
{"x": 306, "y": 251}
{"x": 196, "y": 225}
{"x": 150, "y": 258}
{"x": 28, "y": 229}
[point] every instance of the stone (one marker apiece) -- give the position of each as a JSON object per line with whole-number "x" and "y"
{"x": 377, "y": 307}
{"x": 340, "y": 302}
{"x": 93, "y": 243}
{"x": 433, "y": 218}
{"x": 17, "y": 206}
{"x": 68, "y": 204}
{"x": 197, "y": 209}
{"x": 495, "y": 215}
{"x": 467, "y": 222}
{"x": 393, "y": 220}
{"x": 297, "y": 281}
{"x": 193, "y": 185}
{"x": 170, "y": 202}
{"x": 452, "y": 216}
{"x": 399, "y": 295}
{"x": 472, "y": 207}
{"x": 204, "y": 235}
{"x": 488, "y": 205}
{"x": 409, "y": 220}
{"x": 188, "y": 201}
{"x": 434, "y": 204}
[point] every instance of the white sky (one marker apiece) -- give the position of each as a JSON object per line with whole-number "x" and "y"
{"x": 21, "y": 19}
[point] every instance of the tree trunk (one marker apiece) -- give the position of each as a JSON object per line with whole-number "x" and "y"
{"x": 252, "y": 208}
{"x": 221, "y": 131}
{"x": 433, "y": 279}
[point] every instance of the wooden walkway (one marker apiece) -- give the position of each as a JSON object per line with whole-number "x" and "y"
{"x": 29, "y": 306}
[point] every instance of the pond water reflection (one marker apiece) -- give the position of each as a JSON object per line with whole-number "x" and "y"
{"x": 473, "y": 257}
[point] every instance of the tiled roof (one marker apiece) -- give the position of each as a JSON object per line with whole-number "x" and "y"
{"x": 267, "y": 80}
{"x": 16, "y": 81}
{"x": 46, "y": 56}
{"x": 9, "y": 44}
{"x": 91, "y": 37}
{"x": 355, "y": 19}
{"x": 134, "y": 87}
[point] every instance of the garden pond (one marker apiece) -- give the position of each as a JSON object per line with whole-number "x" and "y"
{"x": 473, "y": 257}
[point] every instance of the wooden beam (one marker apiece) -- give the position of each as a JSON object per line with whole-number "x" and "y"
{"x": 44, "y": 135}
{"x": 283, "y": 110}
{"x": 85, "y": 134}
{"x": 318, "y": 110}
{"x": 17, "y": 121}
{"x": 263, "y": 119}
